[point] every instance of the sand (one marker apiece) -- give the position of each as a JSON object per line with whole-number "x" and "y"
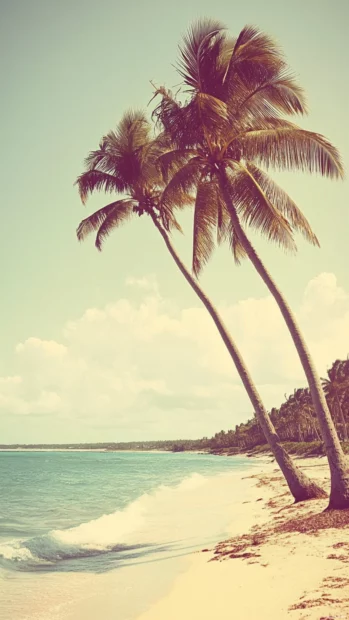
{"x": 273, "y": 573}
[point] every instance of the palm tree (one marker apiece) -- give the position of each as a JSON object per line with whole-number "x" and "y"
{"x": 125, "y": 163}
{"x": 335, "y": 388}
{"x": 297, "y": 413}
{"x": 230, "y": 125}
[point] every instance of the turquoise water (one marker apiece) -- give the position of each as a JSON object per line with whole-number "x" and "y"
{"x": 97, "y": 512}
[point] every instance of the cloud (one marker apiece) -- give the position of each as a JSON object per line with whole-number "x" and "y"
{"x": 148, "y": 368}
{"x": 323, "y": 292}
{"x": 148, "y": 283}
{"x": 45, "y": 348}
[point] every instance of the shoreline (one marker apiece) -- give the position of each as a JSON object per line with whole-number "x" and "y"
{"x": 84, "y": 450}
{"x": 254, "y": 454}
{"x": 278, "y": 560}
{"x": 180, "y": 518}
{"x": 297, "y": 450}
{"x": 287, "y": 561}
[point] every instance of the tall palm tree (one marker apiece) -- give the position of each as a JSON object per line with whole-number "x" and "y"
{"x": 231, "y": 124}
{"x": 126, "y": 163}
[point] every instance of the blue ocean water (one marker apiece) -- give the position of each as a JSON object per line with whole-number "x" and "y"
{"x": 96, "y": 512}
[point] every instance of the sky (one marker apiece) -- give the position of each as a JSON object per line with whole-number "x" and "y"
{"x": 115, "y": 346}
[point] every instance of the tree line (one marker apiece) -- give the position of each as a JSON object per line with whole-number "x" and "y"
{"x": 295, "y": 420}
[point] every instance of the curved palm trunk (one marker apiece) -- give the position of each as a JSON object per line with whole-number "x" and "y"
{"x": 339, "y": 496}
{"x": 342, "y": 419}
{"x": 300, "y": 485}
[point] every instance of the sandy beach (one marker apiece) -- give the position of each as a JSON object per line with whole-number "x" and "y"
{"x": 282, "y": 561}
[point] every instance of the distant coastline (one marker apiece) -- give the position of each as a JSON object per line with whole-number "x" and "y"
{"x": 137, "y": 446}
{"x": 45, "y": 449}
{"x": 298, "y": 449}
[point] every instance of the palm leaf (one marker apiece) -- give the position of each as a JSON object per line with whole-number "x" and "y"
{"x": 170, "y": 162}
{"x": 95, "y": 157}
{"x": 95, "y": 180}
{"x": 223, "y": 219}
{"x": 179, "y": 123}
{"x": 132, "y": 132}
{"x": 255, "y": 59}
{"x": 186, "y": 124}
{"x": 200, "y": 53}
{"x": 282, "y": 201}
{"x": 169, "y": 222}
{"x": 105, "y": 220}
{"x": 212, "y": 112}
{"x": 239, "y": 252}
{"x": 121, "y": 215}
{"x": 280, "y": 94}
{"x": 176, "y": 193}
{"x": 205, "y": 223}
{"x": 168, "y": 111}
{"x": 225, "y": 231}
{"x": 256, "y": 210}
{"x": 285, "y": 146}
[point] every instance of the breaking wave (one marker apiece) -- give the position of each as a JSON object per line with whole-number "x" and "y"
{"x": 154, "y": 521}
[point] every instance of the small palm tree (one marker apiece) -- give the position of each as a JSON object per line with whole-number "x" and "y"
{"x": 126, "y": 163}
{"x": 228, "y": 129}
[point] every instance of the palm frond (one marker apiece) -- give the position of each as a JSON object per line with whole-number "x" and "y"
{"x": 278, "y": 95}
{"x": 239, "y": 252}
{"x": 285, "y": 146}
{"x": 167, "y": 110}
{"x": 199, "y": 64}
{"x": 225, "y": 230}
{"x": 153, "y": 149}
{"x": 282, "y": 201}
{"x": 95, "y": 157}
{"x": 205, "y": 223}
{"x": 182, "y": 184}
{"x": 127, "y": 151}
{"x": 132, "y": 132}
{"x": 119, "y": 216}
{"x": 255, "y": 58}
{"x": 170, "y": 162}
{"x": 212, "y": 112}
{"x": 175, "y": 120}
{"x": 186, "y": 124}
{"x": 223, "y": 217}
{"x": 256, "y": 210}
{"x": 169, "y": 221}
{"x": 114, "y": 213}
{"x": 95, "y": 180}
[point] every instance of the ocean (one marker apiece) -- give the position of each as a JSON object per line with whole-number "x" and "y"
{"x": 82, "y": 531}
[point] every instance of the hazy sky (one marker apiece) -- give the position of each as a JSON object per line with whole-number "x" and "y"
{"x": 115, "y": 346}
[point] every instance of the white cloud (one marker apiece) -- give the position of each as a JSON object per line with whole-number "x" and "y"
{"x": 148, "y": 283}
{"x": 47, "y": 348}
{"x": 323, "y": 292}
{"x": 151, "y": 369}
{"x": 6, "y": 381}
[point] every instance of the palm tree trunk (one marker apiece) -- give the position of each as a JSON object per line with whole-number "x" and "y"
{"x": 339, "y": 496}
{"x": 300, "y": 485}
{"x": 342, "y": 419}
{"x": 316, "y": 431}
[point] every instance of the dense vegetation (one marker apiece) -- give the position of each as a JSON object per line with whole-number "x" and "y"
{"x": 295, "y": 420}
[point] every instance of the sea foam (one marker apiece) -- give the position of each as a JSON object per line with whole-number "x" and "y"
{"x": 170, "y": 516}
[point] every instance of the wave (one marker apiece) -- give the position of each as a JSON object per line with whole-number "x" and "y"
{"x": 163, "y": 518}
